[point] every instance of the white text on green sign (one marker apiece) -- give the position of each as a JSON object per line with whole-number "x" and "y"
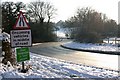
{"x": 22, "y": 54}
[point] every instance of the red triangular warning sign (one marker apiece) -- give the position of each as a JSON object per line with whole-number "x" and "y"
{"x": 21, "y": 22}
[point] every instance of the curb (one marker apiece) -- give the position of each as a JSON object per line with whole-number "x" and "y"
{"x": 94, "y": 51}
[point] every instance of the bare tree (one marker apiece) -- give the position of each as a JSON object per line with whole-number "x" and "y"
{"x": 50, "y": 11}
{"x": 36, "y": 11}
{"x": 39, "y": 11}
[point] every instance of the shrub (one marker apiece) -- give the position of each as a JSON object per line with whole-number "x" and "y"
{"x": 89, "y": 37}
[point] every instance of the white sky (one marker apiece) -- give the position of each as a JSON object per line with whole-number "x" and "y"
{"x": 67, "y": 8}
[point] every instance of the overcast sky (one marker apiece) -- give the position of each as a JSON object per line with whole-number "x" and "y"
{"x": 67, "y": 8}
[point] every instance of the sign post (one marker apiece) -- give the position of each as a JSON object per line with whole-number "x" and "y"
{"x": 22, "y": 55}
{"x": 21, "y": 37}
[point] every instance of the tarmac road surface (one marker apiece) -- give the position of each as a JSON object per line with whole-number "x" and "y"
{"x": 53, "y": 49}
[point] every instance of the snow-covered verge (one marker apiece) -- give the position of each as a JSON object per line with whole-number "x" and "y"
{"x": 98, "y": 47}
{"x": 47, "y": 67}
{"x": 36, "y": 44}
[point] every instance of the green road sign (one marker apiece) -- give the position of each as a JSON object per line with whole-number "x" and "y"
{"x": 22, "y": 54}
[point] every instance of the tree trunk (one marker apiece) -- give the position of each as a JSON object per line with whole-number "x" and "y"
{"x": 8, "y": 56}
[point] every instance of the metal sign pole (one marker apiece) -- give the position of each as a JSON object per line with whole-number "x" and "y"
{"x": 23, "y": 68}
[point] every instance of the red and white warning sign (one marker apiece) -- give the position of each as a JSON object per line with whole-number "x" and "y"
{"x": 21, "y": 35}
{"x": 21, "y": 22}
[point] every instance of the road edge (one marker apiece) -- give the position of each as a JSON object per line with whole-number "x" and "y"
{"x": 94, "y": 51}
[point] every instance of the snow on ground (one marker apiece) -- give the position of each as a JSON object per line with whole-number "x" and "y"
{"x": 90, "y": 46}
{"x": 36, "y": 44}
{"x": 47, "y": 67}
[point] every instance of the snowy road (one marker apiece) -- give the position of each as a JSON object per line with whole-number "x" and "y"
{"x": 48, "y": 67}
{"x": 54, "y": 50}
